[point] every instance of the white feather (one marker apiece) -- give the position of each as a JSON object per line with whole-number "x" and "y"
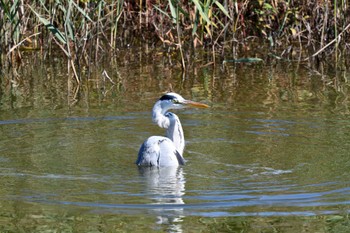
{"x": 164, "y": 151}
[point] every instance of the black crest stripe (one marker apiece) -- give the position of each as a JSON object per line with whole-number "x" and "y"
{"x": 167, "y": 97}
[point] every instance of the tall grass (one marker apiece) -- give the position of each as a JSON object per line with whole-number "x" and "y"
{"x": 85, "y": 30}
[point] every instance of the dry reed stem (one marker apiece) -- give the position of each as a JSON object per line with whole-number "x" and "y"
{"x": 333, "y": 41}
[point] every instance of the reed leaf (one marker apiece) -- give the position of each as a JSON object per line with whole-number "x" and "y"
{"x": 82, "y": 11}
{"x": 15, "y": 21}
{"x": 50, "y": 27}
{"x": 173, "y": 12}
{"x": 5, "y": 8}
{"x": 201, "y": 12}
{"x": 14, "y": 9}
{"x": 43, "y": 4}
{"x": 161, "y": 11}
{"x": 222, "y": 8}
{"x": 68, "y": 25}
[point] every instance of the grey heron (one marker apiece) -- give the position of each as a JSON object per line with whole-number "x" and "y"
{"x": 166, "y": 151}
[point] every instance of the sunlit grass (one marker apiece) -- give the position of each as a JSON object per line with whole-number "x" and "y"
{"x": 85, "y": 30}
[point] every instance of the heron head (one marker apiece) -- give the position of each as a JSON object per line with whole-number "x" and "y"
{"x": 175, "y": 101}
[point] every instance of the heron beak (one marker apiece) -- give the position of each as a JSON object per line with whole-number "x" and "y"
{"x": 194, "y": 104}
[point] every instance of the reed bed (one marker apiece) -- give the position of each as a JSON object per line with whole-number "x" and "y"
{"x": 85, "y": 30}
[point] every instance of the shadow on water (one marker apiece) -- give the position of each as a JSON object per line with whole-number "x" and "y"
{"x": 271, "y": 154}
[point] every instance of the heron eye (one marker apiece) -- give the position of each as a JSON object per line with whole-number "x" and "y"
{"x": 175, "y": 101}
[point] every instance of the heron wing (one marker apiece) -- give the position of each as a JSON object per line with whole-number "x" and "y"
{"x": 159, "y": 151}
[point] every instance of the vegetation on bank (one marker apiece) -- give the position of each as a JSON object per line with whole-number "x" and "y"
{"x": 83, "y": 30}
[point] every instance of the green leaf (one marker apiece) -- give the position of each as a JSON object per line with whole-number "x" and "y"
{"x": 69, "y": 28}
{"x": 163, "y": 12}
{"x": 60, "y": 6}
{"x": 201, "y": 12}
{"x": 267, "y": 6}
{"x": 14, "y": 9}
{"x": 5, "y": 8}
{"x": 173, "y": 11}
{"x": 42, "y": 2}
{"x": 82, "y": 11}
{"x": 51, "y": 27}
{"x": 222, "y": 8}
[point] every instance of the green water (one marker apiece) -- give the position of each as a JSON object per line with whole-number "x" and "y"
{"x": 270, "y": 155}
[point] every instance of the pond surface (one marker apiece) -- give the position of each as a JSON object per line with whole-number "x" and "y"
{"x": 270, "y": 155}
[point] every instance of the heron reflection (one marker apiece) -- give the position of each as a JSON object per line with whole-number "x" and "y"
{"x": 166, "y": 186}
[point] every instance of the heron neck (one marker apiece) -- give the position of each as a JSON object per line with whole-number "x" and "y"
{"x": 171, "y": 123}
{"x": 159, "y": 117}
{"x": 175, "y": 133}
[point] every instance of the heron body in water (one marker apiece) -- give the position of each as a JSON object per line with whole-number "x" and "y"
{"x": 166, "y": 151}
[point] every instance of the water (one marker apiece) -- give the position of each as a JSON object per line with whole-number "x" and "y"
{"x": 270, "y": 155}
